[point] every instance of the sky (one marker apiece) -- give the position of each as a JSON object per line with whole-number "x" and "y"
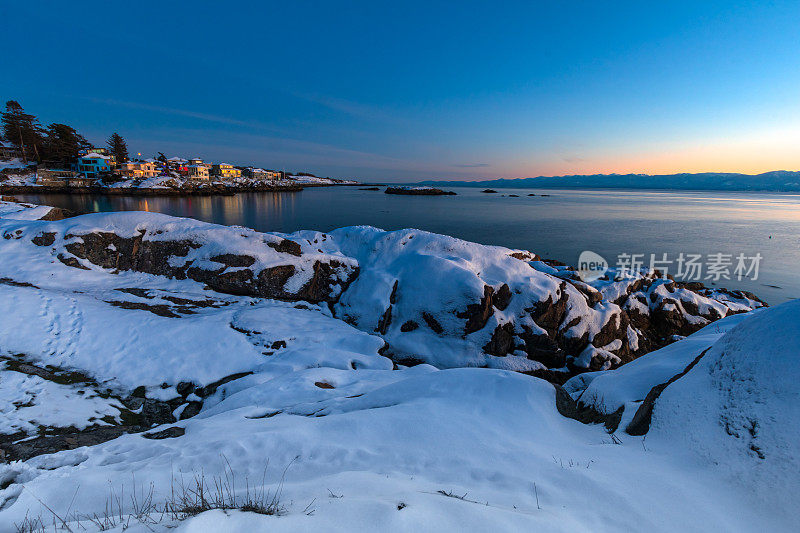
{"x": 420, "y": 90}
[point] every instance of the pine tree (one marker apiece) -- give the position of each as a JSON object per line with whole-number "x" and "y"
{"x": 118, "y": 148}
{"x": 62, "y": 145}
{"x": 22, "y": 130}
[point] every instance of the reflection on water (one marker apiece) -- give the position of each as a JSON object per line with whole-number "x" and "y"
{"x": 559, "y": 226}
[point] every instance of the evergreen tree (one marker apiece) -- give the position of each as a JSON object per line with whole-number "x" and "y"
{"x": 22, "y": 130}
{"x": 118, "y": 148}
{"x": 62, "y": 145}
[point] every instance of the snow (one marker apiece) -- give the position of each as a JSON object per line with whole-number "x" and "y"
{"x": 486, "y": 434}
{"x": 28, "y": 402}
{"x": 22, "y": 211}
{"x": 366, "y": 444}
{"x": 739, "y": 407}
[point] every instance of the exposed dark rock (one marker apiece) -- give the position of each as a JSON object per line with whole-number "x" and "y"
{"x": 384, "y": 321}
{"x": 491, "y": 191}
{"x": 544, "y": 349}
{"x": 571, "y": 409}
{"x": 155, "y": 413}
{"x": 318, "y": 288}
{"x": 502, "y": 297}
{"x": 393, "y": 295}
{"x": 54, "y": 374}
{"x": 286, "y": 246}
{"x": 58, "y": 213}
{"x": 615, "y": 328}
{"x": 185, "y": 388}
{"x": 524, "y": 256}
{"x": 44, "y": 239}
{"x": 71, "y": 262}
{"x": 233, "y": 260}
{"x": 211, "y": 388}
{"x": 277, "y": 345}
{"x": 502, "y": 341}
{"x": 432, "y": 322}
{"x": 478, "y": 314}
{"x": 235, "y": 282}
{"x": 548, "y": 314}
{"x": 26, "y": 449}
{"x": 169, "y": 433}
{"x": 156, "y": 309}
{"x": 324, "y": 385}
{"x": 14, "y": 283}
{"x": 141, "y": 293}
{"x": 409, "y": 325}
{"x": 192, "y": 409}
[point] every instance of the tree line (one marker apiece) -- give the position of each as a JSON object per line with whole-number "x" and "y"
{"x": 57, "y": 144}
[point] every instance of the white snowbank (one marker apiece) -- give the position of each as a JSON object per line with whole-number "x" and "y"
{"x": 738, "y": 409}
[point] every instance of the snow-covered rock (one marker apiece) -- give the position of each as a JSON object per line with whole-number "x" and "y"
{"x": 739, "y": 406}
{"x": 433, "y": 298}
{"x": 232, "y": 260}
{"x": 452, "y": 303}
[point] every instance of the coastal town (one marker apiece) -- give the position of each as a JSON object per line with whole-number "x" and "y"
{"x": 59, "y": 159}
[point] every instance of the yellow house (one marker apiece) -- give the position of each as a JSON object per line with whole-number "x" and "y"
{"x": 224, "y": 170}
{"x": 138, "y": 169}
{"x": 198, "y": 172}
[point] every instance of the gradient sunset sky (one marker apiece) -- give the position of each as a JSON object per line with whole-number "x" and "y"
{"x": 423, "y": 90}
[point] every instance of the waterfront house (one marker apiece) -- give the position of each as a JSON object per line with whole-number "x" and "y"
{"x": 198, "y": 172}
{"x": 139, "y": 169}
{"x": 179, "y": 165}
{"x": 93, "y": 150}
{"x": 225, "y": 170}
{"x": 261, "y": 174}
{"x": 55, "y": 177}
{"x": 112, "y": 160}
{"x": 92, "y": 165}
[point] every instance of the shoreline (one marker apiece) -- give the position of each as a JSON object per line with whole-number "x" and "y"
{"x": 131, "y": 191}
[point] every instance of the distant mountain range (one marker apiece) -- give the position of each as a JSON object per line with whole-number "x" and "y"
{"x": 777, "y": 181}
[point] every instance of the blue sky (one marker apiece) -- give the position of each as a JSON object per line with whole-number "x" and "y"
{"x": 420, "y": 90}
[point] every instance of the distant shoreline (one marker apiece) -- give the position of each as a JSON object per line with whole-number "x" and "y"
{"x": 776, "y": 181}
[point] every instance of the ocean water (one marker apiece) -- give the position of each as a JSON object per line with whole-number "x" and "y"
{"x": 559, "y": 226}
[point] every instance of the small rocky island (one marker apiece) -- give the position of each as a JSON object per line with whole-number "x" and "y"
{"x": 418, "y": 191}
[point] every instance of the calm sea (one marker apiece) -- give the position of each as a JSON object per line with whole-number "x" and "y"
{"x": 558, "y": 226}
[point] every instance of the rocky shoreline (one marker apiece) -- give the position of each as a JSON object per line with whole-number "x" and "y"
{"x": 212, "y": 190}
